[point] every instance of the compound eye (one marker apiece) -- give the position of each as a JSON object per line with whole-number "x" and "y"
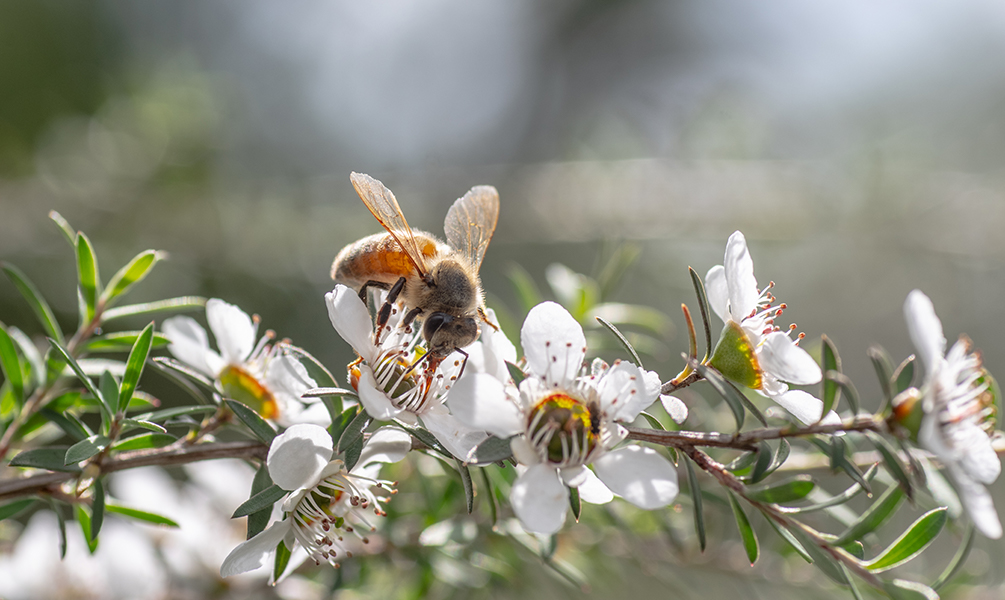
{"x": 434, "y": 323}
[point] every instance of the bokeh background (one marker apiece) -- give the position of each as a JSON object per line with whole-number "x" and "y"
{"x": 858, "y": 145}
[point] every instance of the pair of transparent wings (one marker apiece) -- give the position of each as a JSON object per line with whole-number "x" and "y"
{"x": 469, "y": 224}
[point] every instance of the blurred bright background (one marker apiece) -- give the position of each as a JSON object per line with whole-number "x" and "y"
{"x": 858, "y": 145}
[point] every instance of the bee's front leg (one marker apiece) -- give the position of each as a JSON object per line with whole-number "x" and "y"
{"x": 384, "y": 315}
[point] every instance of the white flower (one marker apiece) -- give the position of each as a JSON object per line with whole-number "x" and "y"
{"x": 752, "y": 350}
{"x": 257, "y": 374}
{"x": 565, "y": 419}
{"x": 325, "y": 500}
{"x": 389, "y": 388}
{"x": 958, "y": 411}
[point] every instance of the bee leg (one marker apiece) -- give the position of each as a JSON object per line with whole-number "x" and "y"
{"x": 481, "y": 313}
{"x": 385, "y": 311}
{"x": 373, "y": 283}
{"x": 410, "y": 316}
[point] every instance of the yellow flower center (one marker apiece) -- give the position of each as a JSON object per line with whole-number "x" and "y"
{"x": 565, "y": 426}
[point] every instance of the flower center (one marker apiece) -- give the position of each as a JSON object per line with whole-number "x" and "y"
{"x": 240, "y": 385}
{"x": 564, "y": 429}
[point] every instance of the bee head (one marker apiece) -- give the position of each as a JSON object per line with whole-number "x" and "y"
{"x": 444, "y": 332}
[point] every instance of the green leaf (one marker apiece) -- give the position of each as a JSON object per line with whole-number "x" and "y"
{"x": 109, "y": 396}
{"x": 315, "y": 370}
{"x": 121, "y": 341}
{"x": 144, "y": 441}
{"x": 699, "y": 290}
{"x": 892, "y": 462}
{"x": 795, "y": 488}
{"x": 901, "y": 589}
{"x": 45, "y": 458}
{"x": 184, "y": 380}
{"x": 846, "y": 385}
{"x": 170, "y": 413}
{"x": 337, "y": 428}
{"x": 912, "y": 542}
{"x": 824, "y": 561}
{"x": 64, "y": 227}
{"x": 134, "y": 367}
{"x": 516, "y": 373}
{"x": 140, "y": 515}
{"x": 621, "y": 338}
{"x": 128, "y": 424}
{"x": 884, "y": 370}
{"x": 61, "y": 519}
{"x": 283, "y": 555}
{"x": 490, "y": 497}
{"x": 742, "y": 463}
{"x": 746, "y": 531}
{"x": 11, "y": 365}
{"x": 961, "y": 556}
{"x": 87, "y": 276}
{"x": 728, "y": 392}
{"x": 699, "y": 514}
{"x": 831, "y": 361}
{"x": 30, "y": 353}
{"x": 491, "y": 450}
{"x": 769, "y": 461}
{"x": 841, "y": 498}
{"x": 260, "y": 501}
{"x": 790, "y": 539}
{"x": 325, "y": 392}
{"x": 76, "y": 369}
{"x": 352, "y": 453}
{"x": 258, "y": 521}
{"x": 84, "y": 519}
{"x": 15, "y": 508}
{"x": 469, "y": 488}
{"x": 182, "y": 303}
{"x": 35, "y": 300}
{"x": 258, "y": 426}
{"x": 353, "y": 431}
{"x": 97, "y": 508}
{"x": 129, "y": 275}
{"x": 525, "y": 287}
{"x": 874, "y": 516}
{"x": 85, "y": 449}
{"x": 575, "y": 503}
{"x": 903, "y": 377}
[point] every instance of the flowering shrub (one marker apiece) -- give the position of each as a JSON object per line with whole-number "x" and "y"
{"x": 496, "y": 446}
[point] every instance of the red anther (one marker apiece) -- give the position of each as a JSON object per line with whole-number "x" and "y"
{"x": 771, "y": 284}
{"x": 801, "y": 335}
{"x": 792, "y": 327}
{"x": 778, "y": 312}
{"x": 256, "y": 319}
{"x": 767, "y": 330}
{"x": 783, "y": 306}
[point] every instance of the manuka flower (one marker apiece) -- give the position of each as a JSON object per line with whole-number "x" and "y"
{"x": 388, "y": 385}
{"x": 565, "y": 419}
{"x": 957, "y": 400}
{"x": 752, "y": 350}
{"x": 326, "y": 501}
{"x": 259, "y": 375}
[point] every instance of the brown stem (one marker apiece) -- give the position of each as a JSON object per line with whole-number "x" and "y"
{"x": 673, "y": 385}
{"x": 172, "y": 455}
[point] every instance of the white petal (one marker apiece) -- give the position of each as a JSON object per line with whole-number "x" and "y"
{"x": 573, "y": 476}
{"x": 640, "y": 475}
{"x": 351, "y": 319}
{"x": 717, "y": 291}
{"x": 254, "y": 553}
{"x": 979, "y": 505}
{"x": 623, "y": 392}
{"x": 496, "y": 349}
{"x": 593, "y": 490}
{"x": 781, "y": 357}
{"x": 386, "y": 445}
{"x": 458, "y": 438}
{"x": 233, "y": 329}
{"x": 675, "y": 407}
{"x": 298, "y": 455}
{"x": 925, "y": 329}
{"x": 979, "y": 458}
{"x": 523, "y": 451}
{"x": 804, "y": 406}
{"x": 553, "y": 343}
{"x": 189, "y": 343}
{"x": 740, "y": 277}
{"x": 374, "y": 400}
{"x": 480, "y": 401}
{"x": 540, "y": 499}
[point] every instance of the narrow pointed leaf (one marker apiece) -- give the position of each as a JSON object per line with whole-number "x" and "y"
{"x": 129, "y": 275}
{"x": 490, "y": 497}
{"x": 134, "y": 366}
{"x": 796, "y": 488}
{"x": 323, "y": 392}
{"x": 903, "y": 377}
{"x": 352, "y": 453}
{"x": 76, "y": 369}
{"x": 122, "y": 341}
{"x": 851, "y": 583}
{"x": 469, "y": 488}
{"x": 30, "y": 353}
{"x": 11, "y": 365}
{"x": 912, "y": 542}
{"x": 170, "y": 413}
{"x": 45, "y": 458}
{"x": 492, "y": 450}
{"x": 70, "y": 424}
{"x": 84, "y": 519}
{"x": 746, "y": 531}
{"x": 128, "y": 424}
{"x": 15, "y": 508}
{"x": 790, "y": 539}
{"x": 892, "y": 462}
{"x": 852, "y": 491}
{"x": 699, "y": 290}
{"x": 35, "y": 300}
{"x": 728, "y": 392}
{"x": 884, "y": 370}
{"x": 61, "y": 519}
{"x": 109, "y": 395}
{"x": 317, "y": 371}
{"x": 901, "y": 589}
{"x": 831, "y": 361}
{"x": 258, "y": 521}
{"x": 575, "y": 503}
{"x": 699, "y": 514}
{"x": 961, "y": 555}
{"x": 353, "y": 431}
{"x": 846, "y": 385}
{"x": 653, "y": 421}
{"x": 64, "y": 227}
{"x": 824, "y": 561}
{"x": 283, "y": 555}
{"x": 144, "y": 441}
{"x": 764, "y": 456}
{"x": 258, "y": 426}
{"x": 140, "y": 515}
{"x": 874, "y": 516}
{"x": 85, "y": 449}
{"x": 621, "y": 338}
{"x": 516, "y": 373}
{"x": 182, "y": 303}
{"x": 87, "y": 276}
{"x": 260, "y": 501}
{"x": 337, "y": 428}
{"x": 184, "y": 379}
{"x": 97, "y": 508}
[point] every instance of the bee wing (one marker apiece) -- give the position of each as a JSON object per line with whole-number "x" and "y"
{"x": 384, "y": 206}
{"x": 471, "y": 221}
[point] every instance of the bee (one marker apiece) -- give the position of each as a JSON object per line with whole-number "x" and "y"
{"x": 593, "y": 410}
{"x": 437, "y": 281}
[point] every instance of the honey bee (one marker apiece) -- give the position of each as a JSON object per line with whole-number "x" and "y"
{"x": 437, "y": 281}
